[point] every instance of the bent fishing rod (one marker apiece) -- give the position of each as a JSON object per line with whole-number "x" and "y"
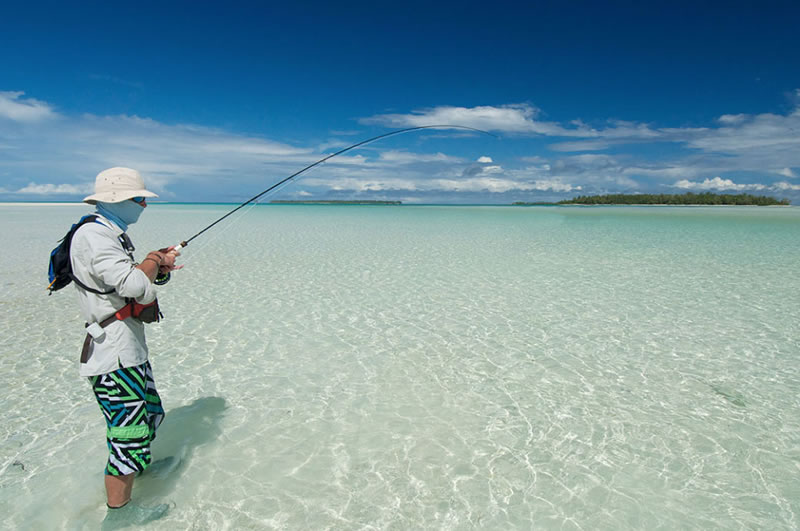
{"x": 320, "y": 161}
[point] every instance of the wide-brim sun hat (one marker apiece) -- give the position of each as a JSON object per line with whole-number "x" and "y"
{"x": 115, "y": 185}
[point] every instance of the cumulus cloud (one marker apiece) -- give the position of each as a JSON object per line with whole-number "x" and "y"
{"x": 39, "y": 145}
{"x": 784, "y": 186}
{"x": 333, "y": 144}
{"x": 554, "y": 185}
{"x": 474, "y": 170}
{"x": 735, "y": 142}
{"x": 732, "y": 119}
{"x": 75, "y": 149}
{"x": 500, "y": 185}
{"x": 55, "y": 189}
{"x": 355, "y": 184}
{"x": 717, "y": 183}
{"x": 14, "y": 107}
{"x": 521, "y": 118}
{"x": 513, "y": 118}
{"x": 773, "y": 132}
{"x": 668, "y": 171}
{"x": 486, "y": 183}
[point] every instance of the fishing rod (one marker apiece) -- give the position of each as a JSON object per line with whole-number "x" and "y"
{"x": 320, "y": 161}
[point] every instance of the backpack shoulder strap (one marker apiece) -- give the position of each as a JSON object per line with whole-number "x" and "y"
{"x": 91, "y": 218}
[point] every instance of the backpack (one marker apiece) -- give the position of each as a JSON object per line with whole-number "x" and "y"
{"x": 60, "y": 272}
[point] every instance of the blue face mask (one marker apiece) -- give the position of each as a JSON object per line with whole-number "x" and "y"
{"x": 123, "y": 214}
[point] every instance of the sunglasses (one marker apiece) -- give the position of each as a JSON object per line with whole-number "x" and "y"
{"x": 139, "y": 199}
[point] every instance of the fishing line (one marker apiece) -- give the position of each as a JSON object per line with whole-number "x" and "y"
{"x": 320, "y": 161}
{"x": 231, "y": 223}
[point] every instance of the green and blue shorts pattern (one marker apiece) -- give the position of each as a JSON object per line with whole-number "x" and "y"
{"x": 132, "y": 407}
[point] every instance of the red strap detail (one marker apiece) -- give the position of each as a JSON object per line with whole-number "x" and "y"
{"x": 125, "y": 312}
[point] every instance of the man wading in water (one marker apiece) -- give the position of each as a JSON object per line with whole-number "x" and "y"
{"x": 116, "y": 297}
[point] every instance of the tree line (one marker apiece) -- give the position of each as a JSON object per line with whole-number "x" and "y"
{"x": 688, "y": 198}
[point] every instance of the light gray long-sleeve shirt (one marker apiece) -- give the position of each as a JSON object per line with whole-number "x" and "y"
{"x": 100, "y": 261}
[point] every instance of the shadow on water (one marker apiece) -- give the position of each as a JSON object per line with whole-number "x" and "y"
{"x": 734, "y": 397}
{"x": 725, "y": 391}
{"x": 184, "y": 430}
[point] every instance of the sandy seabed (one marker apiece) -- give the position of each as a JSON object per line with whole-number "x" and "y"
{"x": 352, "y": 367}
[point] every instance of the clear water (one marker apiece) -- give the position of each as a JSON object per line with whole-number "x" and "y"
{"x": 429, "y": 368}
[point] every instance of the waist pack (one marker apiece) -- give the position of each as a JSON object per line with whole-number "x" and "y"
{"x": 146, "y": 313}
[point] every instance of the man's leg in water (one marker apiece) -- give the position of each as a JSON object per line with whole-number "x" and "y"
{"x": 133, "y": 411}
{"x": 118, "y": 490}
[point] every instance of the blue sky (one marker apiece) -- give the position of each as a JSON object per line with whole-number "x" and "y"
{"x": 215, "y": 102}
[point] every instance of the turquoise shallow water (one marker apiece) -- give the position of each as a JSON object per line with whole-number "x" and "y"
{"x": 331, "y": 367}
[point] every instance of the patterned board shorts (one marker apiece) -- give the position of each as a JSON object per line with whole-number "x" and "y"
{"x": 132, "y": 407}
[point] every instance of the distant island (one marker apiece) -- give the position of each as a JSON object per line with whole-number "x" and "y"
{"x": 688, "y": 198}
{"x": 334, "y": 202}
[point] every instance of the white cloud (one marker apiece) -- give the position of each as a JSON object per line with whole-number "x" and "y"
{"x": 717, "y": 183}
{"x": 629, "y": 130}
{"x": 405, "y": 157}
{"x": 476, "y": 184}
{"x": 587, "y": 161}
{"x": 333, "y": 145}
{"x": 554, "y": 185}
{"x": 222, "y": 164}
{"x": 666, "y": 171}
{"x": 14, "y": 107}
{"x": 736, "y": 143}
{"x": 581, "y": 145}
{"x": 599, "y": 173}
{"x": 500, "y": 185}
{"x": 349, "y": 160}
{"x": 481, "y": 168}
{"x": 56, "y": 189}
{"x": 513, "y": 118}
{"x": 784, "y": 186}
{"x": 603, "y": 171}
{"x": 480, "y": 183}
{"x": 732, "y": 119}
{"x": 75, "y": 149}
{"x": 355, "y": 184}
{"x": 773, "y": 132}
{"x": 536, "y": 159}
{"x": 517, "y": 118}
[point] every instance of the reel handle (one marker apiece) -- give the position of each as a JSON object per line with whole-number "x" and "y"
{"x": 162, "y": 279}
